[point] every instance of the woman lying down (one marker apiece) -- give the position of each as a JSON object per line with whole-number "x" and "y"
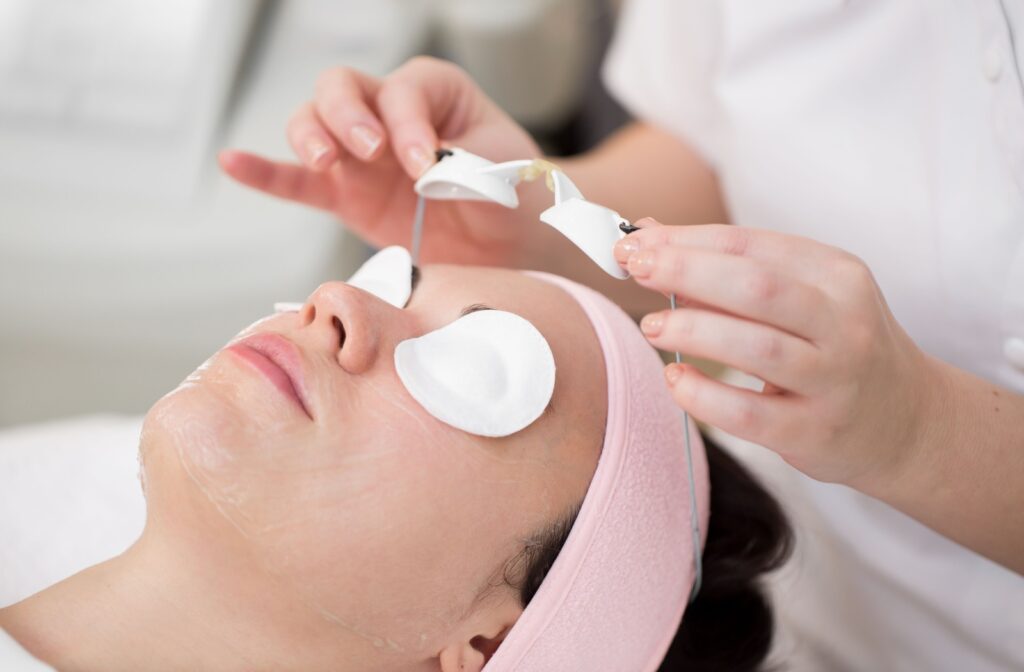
{"x": 454, "y": 470}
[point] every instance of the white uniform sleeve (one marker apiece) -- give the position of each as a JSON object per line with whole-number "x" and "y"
{"x": 13, "y": 658}
{"x": 661, "y": 65}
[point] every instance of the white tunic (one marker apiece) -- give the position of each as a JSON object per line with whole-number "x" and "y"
{"x": 894, "y": 130}
{"x": 13, "y": 658}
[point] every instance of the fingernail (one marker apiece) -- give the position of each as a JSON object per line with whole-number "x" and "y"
{"x": 365, "y": 139}
{"x": 316, "y": 150}
{"x": 626, "y": 248}
{"x": 641, "y": 264}
{"x": 673, "y": 372}
{"x": 652, "y": 324}
{"x": 645, "y": 223}
{"x": 421, "y": 159}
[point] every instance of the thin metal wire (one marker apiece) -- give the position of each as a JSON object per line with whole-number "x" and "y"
{"x": 417, "y": 229}
{"x": 698, "y": 572}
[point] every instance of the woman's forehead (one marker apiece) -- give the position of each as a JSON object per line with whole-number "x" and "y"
{"x": 499, "y": 288}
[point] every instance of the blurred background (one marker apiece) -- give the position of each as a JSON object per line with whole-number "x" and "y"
{"x": 126, "y": 258}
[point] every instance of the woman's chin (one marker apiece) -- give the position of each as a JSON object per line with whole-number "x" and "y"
{"x": 202, "y": 433}
{"x": 191, "y": 434}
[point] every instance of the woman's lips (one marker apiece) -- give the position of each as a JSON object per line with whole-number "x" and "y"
{"x": 279, "y": 360}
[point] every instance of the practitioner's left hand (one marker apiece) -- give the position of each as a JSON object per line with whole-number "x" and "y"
{"x": 847, "y": 391}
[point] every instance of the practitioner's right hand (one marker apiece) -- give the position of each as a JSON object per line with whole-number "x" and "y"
{"x": 362, "y": 141}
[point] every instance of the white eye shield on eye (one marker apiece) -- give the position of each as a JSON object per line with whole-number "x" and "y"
{"x": 615, "y": 596}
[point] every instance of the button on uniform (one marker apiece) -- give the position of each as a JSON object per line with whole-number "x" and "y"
{"x": 1014, "y": 351}
{"x": 993, "y": 63}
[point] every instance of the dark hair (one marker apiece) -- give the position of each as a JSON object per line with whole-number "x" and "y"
{"x": 729, "y": 625}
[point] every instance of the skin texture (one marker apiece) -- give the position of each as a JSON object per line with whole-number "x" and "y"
{"x": 851, "y": 398}
{"x": 368, "y": 537}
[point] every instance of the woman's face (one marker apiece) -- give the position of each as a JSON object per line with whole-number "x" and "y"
{"x": 386, "y": 523}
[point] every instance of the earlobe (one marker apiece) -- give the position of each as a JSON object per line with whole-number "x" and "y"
{"x": 470, "y": 654}
{"x": 462, "y": 657}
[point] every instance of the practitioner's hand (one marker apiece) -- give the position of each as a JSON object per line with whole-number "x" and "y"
{"x": 362, "y": 141}
{"x": 847, "y": 391}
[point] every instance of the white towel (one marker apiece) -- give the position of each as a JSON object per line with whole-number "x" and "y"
{"x": 69, "y": 498}
{"x": 13, "y": 658}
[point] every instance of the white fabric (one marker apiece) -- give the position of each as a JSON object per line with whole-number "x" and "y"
{"x": 13, "y": 658}
{"x": 894, "y": 130}
{"x": 69, "y": 498}
{"x": 489, "y": 373}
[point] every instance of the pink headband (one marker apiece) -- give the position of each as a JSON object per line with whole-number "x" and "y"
{"x": 615, "y": 596}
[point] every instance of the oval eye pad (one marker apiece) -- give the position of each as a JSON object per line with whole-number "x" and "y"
{"x": 387, "y": 275}
{"x": 489, "y": 373}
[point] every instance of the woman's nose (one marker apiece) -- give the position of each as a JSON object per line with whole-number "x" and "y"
{"x": 346, "y": 323}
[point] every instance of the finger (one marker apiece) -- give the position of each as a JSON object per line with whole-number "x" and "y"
{"x": 311, "y": 142}
{"x": 647, "y": 223}
{"x": 342, "y": 103}
{"x": 631, "y": 244}
{"x": 801, "y": 256}
{"x": 688, "y": 302}
{"x": 744, "y": 413}
{"x": 422, "y": 98}
{"x": 738, "y": 285}
{"x": 285, "y": 180}
{"x": 771, "y": 355}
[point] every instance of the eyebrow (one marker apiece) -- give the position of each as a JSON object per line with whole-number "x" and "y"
{"x": 474, "y": 308}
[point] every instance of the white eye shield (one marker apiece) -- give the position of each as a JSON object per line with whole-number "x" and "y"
{"x": 459, "y": 175}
